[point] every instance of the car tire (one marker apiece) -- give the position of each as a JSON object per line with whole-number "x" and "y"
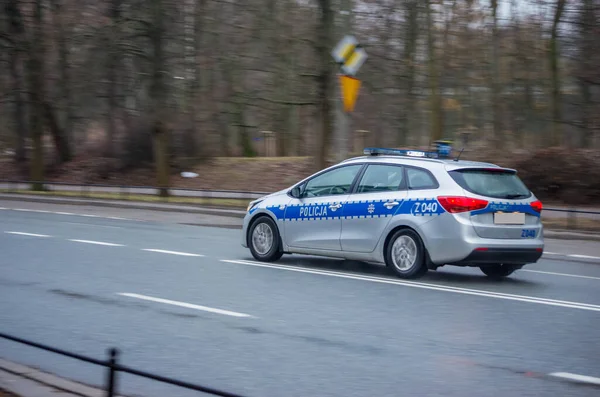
{"x": 264, "y": 240}
{"x": 498, "y": 271}
{"x": 405, "y": 254}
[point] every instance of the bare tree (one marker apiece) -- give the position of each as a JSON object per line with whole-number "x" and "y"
{"x": 158, "y": 93}
{"x": 556, "y": 136}
{"x": 324, "y": 79}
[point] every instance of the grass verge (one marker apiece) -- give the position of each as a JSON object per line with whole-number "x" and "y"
{"x": 580, "y": 224}
{"x": 147, "y": 198}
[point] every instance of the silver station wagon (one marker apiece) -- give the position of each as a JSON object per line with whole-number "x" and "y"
{"x": 410, "y": 210}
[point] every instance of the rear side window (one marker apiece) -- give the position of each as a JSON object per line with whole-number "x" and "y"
{"x": 420, "y": 179}
{"x": 381, "y": 178}
{"x": 491, "y": 183}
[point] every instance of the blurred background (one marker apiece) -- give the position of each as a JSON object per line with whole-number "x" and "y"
{"x": 246, "y": 95}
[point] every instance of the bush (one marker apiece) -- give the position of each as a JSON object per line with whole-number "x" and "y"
{"x": 570, "y": 176}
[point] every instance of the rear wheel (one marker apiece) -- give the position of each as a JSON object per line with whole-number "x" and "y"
{"x": 405, "y": 254}
{"x": 498, "y": 271}
{"x": 264, "y": 241}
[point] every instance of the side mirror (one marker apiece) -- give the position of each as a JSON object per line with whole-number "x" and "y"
{"x": 296, "y": 192}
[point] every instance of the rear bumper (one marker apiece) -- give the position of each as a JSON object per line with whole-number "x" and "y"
{"x": 509, "y": 256}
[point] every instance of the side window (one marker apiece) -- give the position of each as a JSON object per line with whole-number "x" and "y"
{"x": 334, "y": 182}
{"x": 420, "y": 179}
{"x": 381, "y": 178}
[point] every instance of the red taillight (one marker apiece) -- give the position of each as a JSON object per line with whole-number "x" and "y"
{"x": 537, "y": 206}
{"x": 455, "y": 204}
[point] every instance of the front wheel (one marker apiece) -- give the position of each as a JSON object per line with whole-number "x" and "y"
{"x": 498, "y": 271}
{"x": 264, "y": 241}
{"x": 405, "y": 254}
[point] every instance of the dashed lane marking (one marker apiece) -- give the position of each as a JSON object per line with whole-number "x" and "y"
{"x": 28, "y": 234}
{"x": 170, "y": 252}
{"x": 576, "y": 378}
{"x": 185, "y": 304}
{"x": 584, "y": 256}
{"x": 573, "y": 255}
{"x": 97, "y": 243}
{"x": 435, "y": 287}
{"x": 71, "y": 214}
{"x": 560, "y": 274}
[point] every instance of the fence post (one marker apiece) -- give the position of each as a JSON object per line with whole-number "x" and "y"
{"x": 111, "y": 379}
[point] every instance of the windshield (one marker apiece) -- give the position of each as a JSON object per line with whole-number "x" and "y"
{"x": 491, "y": 183}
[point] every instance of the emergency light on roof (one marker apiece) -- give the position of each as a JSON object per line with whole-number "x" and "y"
{"x": 375, "y": 151}
{"x": 443, "y": 150}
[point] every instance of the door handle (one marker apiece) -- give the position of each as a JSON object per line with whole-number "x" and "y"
{"x": 335, "y": 206}
{"x": 391, "y": 204}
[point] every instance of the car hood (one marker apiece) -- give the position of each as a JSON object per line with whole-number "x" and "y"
{"x": 278, "y": 193}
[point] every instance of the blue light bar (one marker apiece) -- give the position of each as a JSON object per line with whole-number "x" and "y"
{"x": 376, "y": 151}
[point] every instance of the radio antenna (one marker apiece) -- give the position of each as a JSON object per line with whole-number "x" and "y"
{"x": 458, "y": 157}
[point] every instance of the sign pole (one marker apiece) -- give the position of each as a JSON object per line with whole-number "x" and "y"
{"x": 349, "y": 54}
{"x": 343, "y": 117}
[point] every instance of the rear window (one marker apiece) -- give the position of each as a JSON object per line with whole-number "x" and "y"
{"x": 491, "y": 183}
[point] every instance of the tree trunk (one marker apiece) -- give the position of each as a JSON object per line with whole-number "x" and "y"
{"x": 36, "y": 92}
{"x": 158, "y": 95}
{"x": 494, "y": 80}
{"x": 66, "y": 119}
{"x": 17, "y": 30}
{"x": 324, "y": 81}
{"x": 114, "y": 57}
{"x": 410, "y": 45}
{"x": 437, "y": 116}
{"x": 556, "y": 137}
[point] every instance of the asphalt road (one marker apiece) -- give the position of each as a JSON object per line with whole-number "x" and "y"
{"x": 188, "y": 301}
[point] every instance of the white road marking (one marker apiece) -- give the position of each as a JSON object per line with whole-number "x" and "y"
{"x": 97, "y": 243}
{"x": 575, "y": 377}
{"x": 170, "y": 252}
{"x": 421, "y": 285}
{"x": 93, "y": 225}
{"x": 28, "y": 234}
{"x": 185, "y": 304}
{"x": 72, "y": 214}
{"x": 584, "y": 256}
{"x": 573, "y": 255}
{"x": 560, "y": 274}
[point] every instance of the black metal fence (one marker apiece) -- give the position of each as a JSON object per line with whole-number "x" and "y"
{"x": 113, "y": 368}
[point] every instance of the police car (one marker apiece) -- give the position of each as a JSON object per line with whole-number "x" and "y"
{"x": 410, "y": 210}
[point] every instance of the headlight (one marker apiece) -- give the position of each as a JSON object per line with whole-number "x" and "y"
{"x": 252, "y": 204}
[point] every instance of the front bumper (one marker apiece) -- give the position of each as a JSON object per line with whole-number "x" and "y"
{"x": 244, "y": 234}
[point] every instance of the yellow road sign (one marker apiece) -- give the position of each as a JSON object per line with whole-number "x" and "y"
{"x": 349, "y": 54}
{"x": 350, "y": 87}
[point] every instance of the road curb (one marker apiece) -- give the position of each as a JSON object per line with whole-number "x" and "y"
{"x": 125, "y": 204}
{"x": 26, "y": 381}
